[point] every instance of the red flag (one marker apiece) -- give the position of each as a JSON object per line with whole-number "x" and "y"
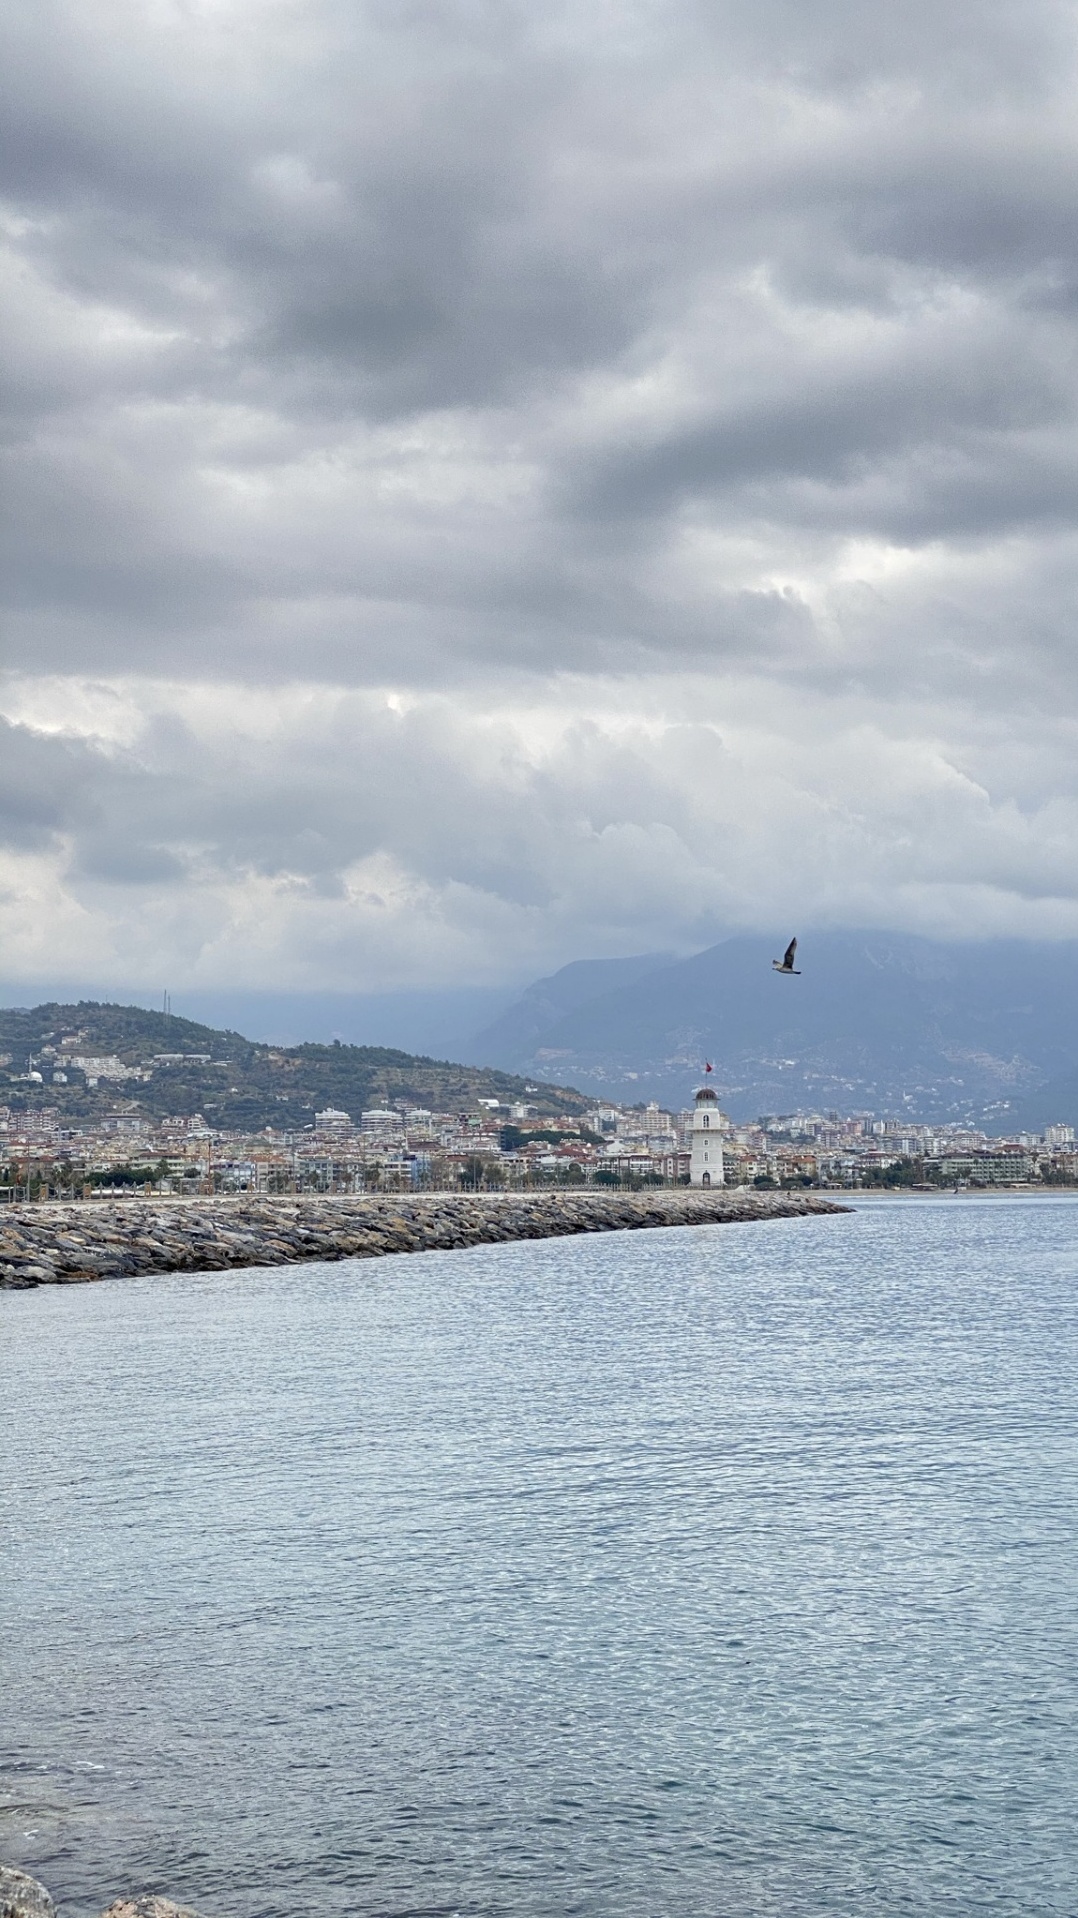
{"x": 707, "y": 1065}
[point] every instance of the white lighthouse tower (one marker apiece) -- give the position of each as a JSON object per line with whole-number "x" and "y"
{"x": 705, "y": 1165}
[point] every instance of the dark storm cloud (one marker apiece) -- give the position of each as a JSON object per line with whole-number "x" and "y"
{"x": 796, "y": 268}
{"x": 703, "y": 374}
{"x": 839, "y": 434}
{"x": 61, "y": 791}
{"x": 45, "y": 785}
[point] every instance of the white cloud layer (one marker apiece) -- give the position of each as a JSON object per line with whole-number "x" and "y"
{"x": 486, "y": 485}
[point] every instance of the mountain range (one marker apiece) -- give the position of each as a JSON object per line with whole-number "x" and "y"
{"x": 882, "y": 1022}
{"x": 887, "y": 1023}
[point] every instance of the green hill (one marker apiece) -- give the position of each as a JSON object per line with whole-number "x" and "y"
{"x": 178, "y": 1067}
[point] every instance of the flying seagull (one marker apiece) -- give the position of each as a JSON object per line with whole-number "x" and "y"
{"x": 786, "y": 964}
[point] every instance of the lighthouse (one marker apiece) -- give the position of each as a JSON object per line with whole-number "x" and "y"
{"x": 705, "y": 1165}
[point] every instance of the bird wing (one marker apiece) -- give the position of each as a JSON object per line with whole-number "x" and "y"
{"x": 789, "y": 956}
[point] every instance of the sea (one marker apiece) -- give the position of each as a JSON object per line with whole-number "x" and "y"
{"x": 718, "y": 1572}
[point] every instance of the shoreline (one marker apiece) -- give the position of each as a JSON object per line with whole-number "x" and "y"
{"x": 865, "y": 1195}
{"x": 74, "y": 1242}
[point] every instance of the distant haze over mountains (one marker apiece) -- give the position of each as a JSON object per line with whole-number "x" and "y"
{"x": 881, "y": 1022}
{"x": 524, "y": 1028}
{"x": 437, "y": 1024}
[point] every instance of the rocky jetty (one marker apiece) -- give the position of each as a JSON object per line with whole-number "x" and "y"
{"x": 70, "y": 1242}
{"x": 23, "y": 1897}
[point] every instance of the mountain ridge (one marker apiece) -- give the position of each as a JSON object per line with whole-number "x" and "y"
{"x": 242, "y": 1085}
{"x": 881, "y": 1022}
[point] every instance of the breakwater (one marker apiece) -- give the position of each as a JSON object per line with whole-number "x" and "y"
{"x": 70, "y": 1242}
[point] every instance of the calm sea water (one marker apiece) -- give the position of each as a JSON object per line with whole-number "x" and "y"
{"x": 717, "y": 1571}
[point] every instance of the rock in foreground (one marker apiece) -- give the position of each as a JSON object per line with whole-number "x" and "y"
{"x": 22, "y": 1896}
{"x": 148, "y": 1908}
{"x": 69, "y": 1243}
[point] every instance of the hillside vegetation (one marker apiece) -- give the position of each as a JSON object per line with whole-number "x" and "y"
{"x": 235, "y": 1083}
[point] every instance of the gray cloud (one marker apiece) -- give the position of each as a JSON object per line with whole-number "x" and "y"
{"x": 671, "y": 362}
{"x": 46, "y": 785}
{"x": 340, "y": 841}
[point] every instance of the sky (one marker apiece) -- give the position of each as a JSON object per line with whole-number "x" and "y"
{"x": 486, "y": 485}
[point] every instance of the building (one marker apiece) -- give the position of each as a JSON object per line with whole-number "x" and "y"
{"x": 705, "y": 1166}
{"x": 1009, "y": 1166}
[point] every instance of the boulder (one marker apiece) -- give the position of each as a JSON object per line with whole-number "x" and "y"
{"x": 22, "y": 1896}
{"x": 148, "y": 1908}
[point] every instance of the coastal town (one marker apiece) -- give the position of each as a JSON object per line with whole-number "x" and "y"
{"x": 503, "y": 1146}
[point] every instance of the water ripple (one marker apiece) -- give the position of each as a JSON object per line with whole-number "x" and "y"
{"x": 711, "y": 1571}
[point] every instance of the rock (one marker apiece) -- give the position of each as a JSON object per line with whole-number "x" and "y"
{"x": 38, "y": 1245}
{"x": 36, "y": 1274}
{"x": 148, "y": 1908}
{"x": 22, "y": 1896}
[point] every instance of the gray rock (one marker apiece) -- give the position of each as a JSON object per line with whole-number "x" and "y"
{"x": 22, "y": 1896}
{"x": 148, "y": 1908}
{"x": 51, "y": 1243}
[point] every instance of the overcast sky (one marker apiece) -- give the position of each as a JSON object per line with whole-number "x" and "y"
{"x": 490, "y": 484}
